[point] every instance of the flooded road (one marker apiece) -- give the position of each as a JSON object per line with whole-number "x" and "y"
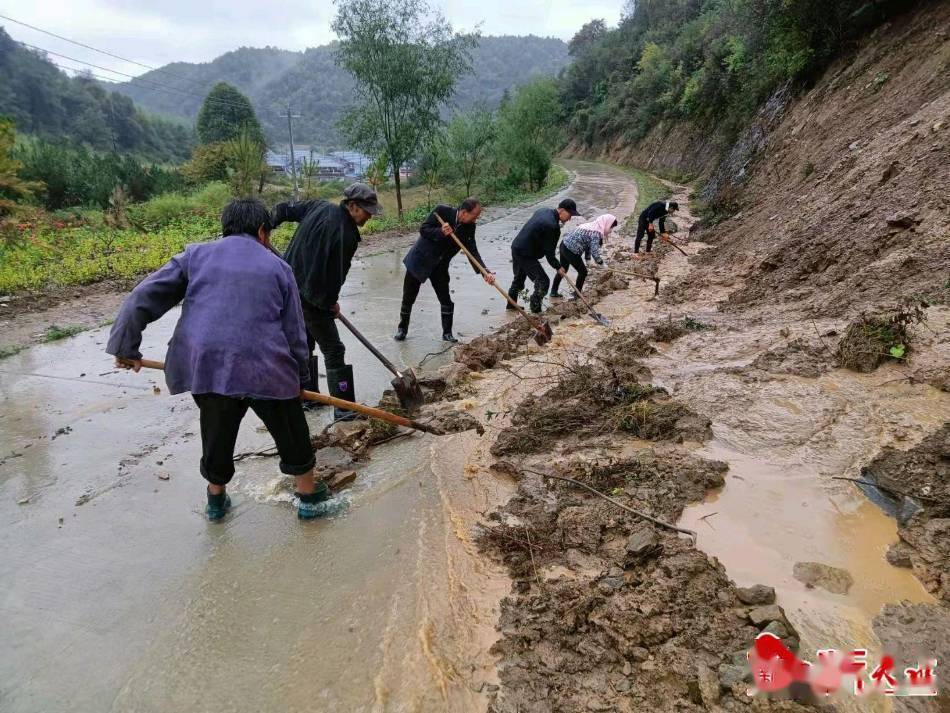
{"x": 117, "y": 595}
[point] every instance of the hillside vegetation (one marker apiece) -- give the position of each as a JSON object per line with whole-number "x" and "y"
{"x": 44, "y": 102}
{"x": 317, "y": 89}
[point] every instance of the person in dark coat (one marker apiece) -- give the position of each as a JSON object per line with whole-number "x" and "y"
{"x": 538, "y": 238}
{"x": 429, "y": 259}
{"x": 654, "y": 211}
{"x": 320, "y": 254}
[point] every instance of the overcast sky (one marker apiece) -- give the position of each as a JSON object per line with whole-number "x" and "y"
{"x": 157, "y": 32}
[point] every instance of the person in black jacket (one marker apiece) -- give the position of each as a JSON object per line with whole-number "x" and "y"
{"x": 429, "y": 259}
{"x": 538, "y": 238}
{"x": 320, "y": 254}
{"x": 660, "y": 210}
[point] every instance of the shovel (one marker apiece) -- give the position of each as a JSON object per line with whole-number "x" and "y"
{"x": 542, "y": 327}
{"x": 340, "y": 403}
{"x": 598, "y": 317}
{"x": 406, "y": 385}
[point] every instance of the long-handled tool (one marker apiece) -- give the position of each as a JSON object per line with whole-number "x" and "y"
{"x": 341, "y": 403}
{"x": 542, "y": 327}
{"x": 598, "y": 317}
{"x": 654, "y": 280}
{"x": 406, "y": 385}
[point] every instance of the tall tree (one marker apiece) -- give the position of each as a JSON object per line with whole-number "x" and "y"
{"x": 406, "y": 60}
{"x": 469, "y": 138}
{"x": 224, "y": 114}
{"x": 529, "y": 129}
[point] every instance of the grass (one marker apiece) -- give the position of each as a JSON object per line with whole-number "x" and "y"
{"x": 649, "y": 189}
{"x": 54, "y": 332}
{"x": 49, "y": 249}
{"x": 11, "y": 351}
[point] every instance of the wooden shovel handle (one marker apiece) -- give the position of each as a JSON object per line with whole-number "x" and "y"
{"x": 537, "y": 325}
{"x": 578, "y": 293}
{"x": 339, "y": 403}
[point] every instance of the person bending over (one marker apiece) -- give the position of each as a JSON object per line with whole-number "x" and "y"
{"x": 239, "y": 344}
{"x": 586, "y": 239}
{"x": 659, "y": 210}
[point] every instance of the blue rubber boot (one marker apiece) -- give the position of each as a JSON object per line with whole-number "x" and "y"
{"x": 320, "y": 503}
{"x": 218, "y": 506}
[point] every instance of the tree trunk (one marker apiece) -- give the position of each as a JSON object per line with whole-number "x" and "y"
{"x": 398, "y": 189}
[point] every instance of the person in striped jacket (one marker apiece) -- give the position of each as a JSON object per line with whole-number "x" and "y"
{"x": 586, "y": 238}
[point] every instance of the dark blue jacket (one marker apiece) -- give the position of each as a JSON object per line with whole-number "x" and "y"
{"x": 654, "y": 211}
{"x": 433, "y": 250}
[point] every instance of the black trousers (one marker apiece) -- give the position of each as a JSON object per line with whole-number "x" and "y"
{"x": 322, "y": 330}
{"x": 221, "y": 418}
{"x": 644, "y": 227}
{"x": 440, "y": 283}
{"x": 571, "y": 259}
{"x": 528, "y": 268}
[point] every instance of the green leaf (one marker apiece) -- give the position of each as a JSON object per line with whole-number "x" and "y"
{"x": 898, "y": 351}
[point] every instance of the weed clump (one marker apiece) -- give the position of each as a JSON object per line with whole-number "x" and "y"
{"x": 669, "y": 330}
{"x": 871, "y": 340}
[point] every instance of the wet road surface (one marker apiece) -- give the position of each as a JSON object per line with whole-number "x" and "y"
{"x": 117, "y": 595}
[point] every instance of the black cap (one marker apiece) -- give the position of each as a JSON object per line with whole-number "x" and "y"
{"x": 364, "y": 196}
{"x": 569, "y": 205}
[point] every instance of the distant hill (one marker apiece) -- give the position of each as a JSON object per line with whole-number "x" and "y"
{"x": 317, "y": 89}
{"x": 44, "y": 102}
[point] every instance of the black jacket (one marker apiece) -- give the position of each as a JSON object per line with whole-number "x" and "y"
{"x": 538, "y": 238}
{"x": 321, "y": 250}
{"x": 433, "y": 250}
{"x": 654, "y": 211}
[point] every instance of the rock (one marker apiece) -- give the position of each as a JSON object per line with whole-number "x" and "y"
{"x": 756, "y": 594}
{"x": 760, "y": 616}
{"x": 776, "y": 628}
{"x": 454, "y": 373}
{"x": 164, "y": 476}
{"x": 908, "y": 508}
{"x": 937, "y": 126}
{"x": 639, "y": 654}
{"x": 816, "y": 574}
{"x": 901, "y": 220}
{"x": 340, "y": 479}
{"x": 642, "y": 545}
{"x": 708, "y": 685}
{"x": 609, "y": 585}
{"x": 898, "y": 556}
{"x": 730, "y": 675}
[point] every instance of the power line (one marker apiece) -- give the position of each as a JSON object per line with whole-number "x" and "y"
{"x": 96, "y": 49}
{"x": 136, "y": 81}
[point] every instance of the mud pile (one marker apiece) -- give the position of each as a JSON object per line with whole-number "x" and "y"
{"x": 845, "y": 207}
{"x": 612, "y": 613}
{"x": 599, "y": 398}
{"x": 918, "y": 481}
{"x": 800, "y": 357}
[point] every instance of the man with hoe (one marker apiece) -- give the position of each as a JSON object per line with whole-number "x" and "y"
{"x": 538, "y": 238}
{"x": 659, "y": 210}
{"x": 320, "y": 254}
{"x": 429, "y": 259}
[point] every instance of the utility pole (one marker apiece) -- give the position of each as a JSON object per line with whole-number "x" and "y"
{"x": 293, "y": 160}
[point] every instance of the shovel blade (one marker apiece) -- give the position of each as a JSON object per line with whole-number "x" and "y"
{"x": 601, "y": 319}
{"x": 408, "y": 391}
{"x": 544, "y": 333}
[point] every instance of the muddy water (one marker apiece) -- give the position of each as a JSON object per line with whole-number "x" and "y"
{"x": 116, "y": 594}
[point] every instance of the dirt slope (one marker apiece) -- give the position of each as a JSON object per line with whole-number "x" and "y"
{"x": 846, "y": 205}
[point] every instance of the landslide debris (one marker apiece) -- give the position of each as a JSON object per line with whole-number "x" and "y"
{"x": 602, "y": 396}
{"x": 611, "y": 613}
{"x": 872, "y": 339}
{"x": 918, "y": 483}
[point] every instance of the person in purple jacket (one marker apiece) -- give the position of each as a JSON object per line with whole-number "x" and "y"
{"x": 240, "y": 343}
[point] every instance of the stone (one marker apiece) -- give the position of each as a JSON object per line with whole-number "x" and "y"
{"x": 898, "y": 556}
{"x": 776, "y": 628}
{"x": 760, "y": 616}
{"x": 901, "y": 220}
{"x": 756, "y": 594}
{"x": 730, "y": 675}
{"x": 817, "y": 574}
{"x": 908, "y": 508}
{"x": 642, "y": 545}
{"x": 609, "y": 585}
{"x": 708, "y": 685}
{"x": 340, "y": 479}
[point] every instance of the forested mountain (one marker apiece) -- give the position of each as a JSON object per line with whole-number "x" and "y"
{"x": 45, "y": 102}
{"x": 317, "y": 89}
